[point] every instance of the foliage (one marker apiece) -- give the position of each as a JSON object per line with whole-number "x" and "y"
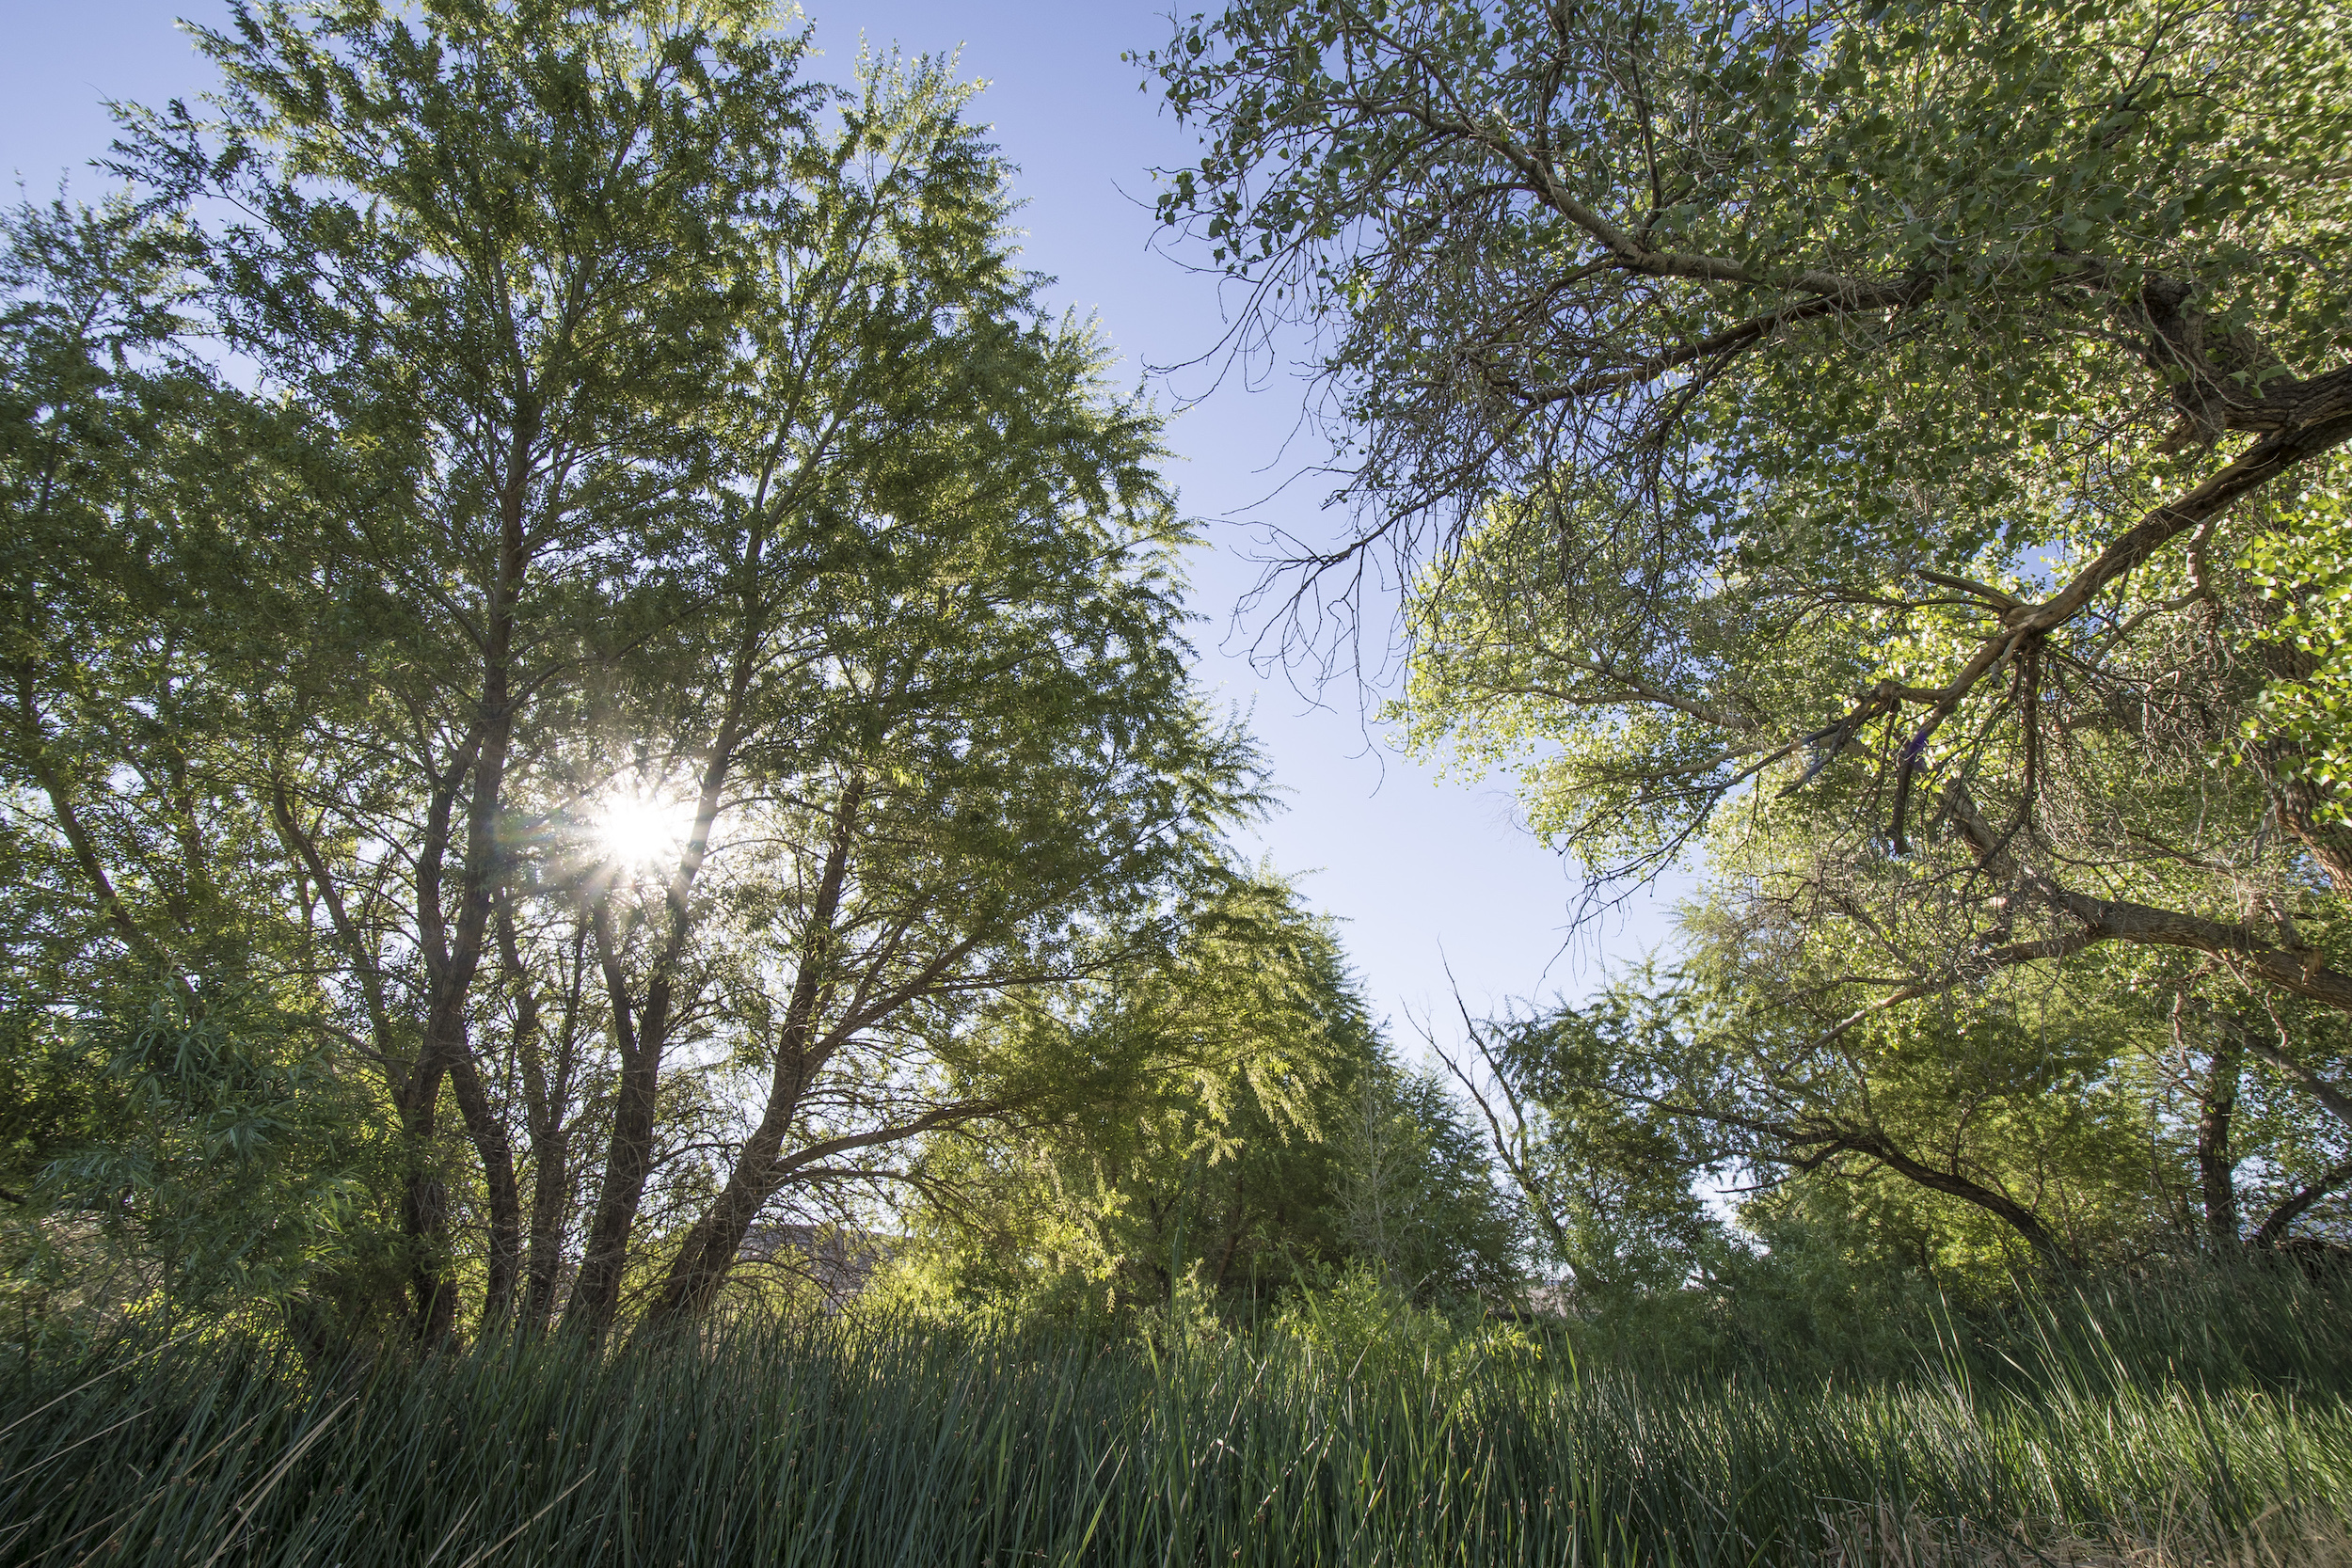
{"x": 2306, "y": 571}
{"x": 1226, "y": 1125}
{"x": 1417, "y": 1201}
{"x": 585, "y": 668}
{"x": 1890, "y": 453}
{"x": 623, "y": 428}
{"x": 2076, "y": 1124}
{"x": 233, "y": 1159}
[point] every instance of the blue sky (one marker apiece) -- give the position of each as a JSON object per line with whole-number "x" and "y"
{"x": 1426, "y": 873}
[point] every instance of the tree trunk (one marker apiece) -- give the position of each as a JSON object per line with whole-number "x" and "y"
{"x": 2216, "y": 1167}
{"x": 628, "y": 1159}
{"x": 424, "y": 1207}
{"x": 487, "y": 1131}
{"x": 547, "y": 1104}
{"x": 550, "y": 1184}
{"x": 628, "y": 1156}
{"x": 709, "y": 1252}
{"x": 454, "y": 953}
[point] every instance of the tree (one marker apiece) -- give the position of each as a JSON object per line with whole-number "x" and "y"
{"x": 489, "y": 257}
{"x": 996, "y": 763}
{"x": 658, "y": 636}
{"x": 244, "y": 1163}
{"x": 131, "y": 479}
{"x": 2042, "y": 1120}
{"x": 1415, "y": 1198}
{"x": 177, "y": 1117}
{"x": 1224, "y": 1124}
{"x": 1854, "y": 416}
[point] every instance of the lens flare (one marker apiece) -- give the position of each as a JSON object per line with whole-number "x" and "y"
{"x": 642, "y": 829}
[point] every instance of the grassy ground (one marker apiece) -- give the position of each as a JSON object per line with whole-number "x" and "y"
{"x": 2129, "y": 1427}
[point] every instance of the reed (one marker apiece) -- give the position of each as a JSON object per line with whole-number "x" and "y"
{"x": 2091, "y": 1429}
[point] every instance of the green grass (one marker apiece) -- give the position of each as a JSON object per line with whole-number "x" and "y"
{"x": 2086, "y": 1430}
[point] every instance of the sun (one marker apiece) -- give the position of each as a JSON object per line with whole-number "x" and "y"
{"x": 642, "y": 829}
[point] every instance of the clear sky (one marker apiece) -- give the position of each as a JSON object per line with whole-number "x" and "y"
{"x": 1425, "y": 874}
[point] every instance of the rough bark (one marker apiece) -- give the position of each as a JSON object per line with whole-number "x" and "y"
{"x": 2297, "y": 971}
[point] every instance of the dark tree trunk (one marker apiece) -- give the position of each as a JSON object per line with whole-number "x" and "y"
{"x": 486, "y": 1128}
{"x": 2273, "y": 1230}
{"x": 453, "y": 952}
{"x": 2216, "y": 1167}
{"x": 628, "y": 1156}
{"x": 642, "y": 1035}
{"x": 550, "y": 1184}
{"x": 709, "y": 1252}
{"x": 2016, "y": 1216}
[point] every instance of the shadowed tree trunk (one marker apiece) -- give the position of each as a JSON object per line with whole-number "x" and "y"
{"x": 2216, "y": 1167}
{"x": 710, "y": 1248}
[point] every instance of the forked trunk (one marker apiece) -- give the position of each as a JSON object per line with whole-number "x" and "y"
{"x": 709, "y": 1252}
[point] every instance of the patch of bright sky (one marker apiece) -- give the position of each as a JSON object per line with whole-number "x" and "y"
{"x": 1427, "y": 874}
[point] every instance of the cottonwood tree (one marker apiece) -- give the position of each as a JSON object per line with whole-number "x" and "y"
{"x": 1880, "y": 405}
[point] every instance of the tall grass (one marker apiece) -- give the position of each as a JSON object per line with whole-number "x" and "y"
{"x": 2079, "y": 1430}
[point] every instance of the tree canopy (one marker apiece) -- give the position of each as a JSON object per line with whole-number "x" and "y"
{"x": 1886, "y": 455}
{"x": 562, "y": 577}
{"x": 596, "y": 693}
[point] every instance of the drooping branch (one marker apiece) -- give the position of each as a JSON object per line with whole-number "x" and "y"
{"x": 1808, "y": 1145}
{"x": 2338, "y": 1103}
{"x": 2273, "y": 1230}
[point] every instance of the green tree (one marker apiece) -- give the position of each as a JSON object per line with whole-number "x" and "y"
{"x": 1210, "y": 1128}
{"x": 624, "y": 431}
{"x": 1830, "y": 441}
{"x": 131, "y": 482}
{"x": 1179, "y": 1142}
{"x": 212, "y": 1147}
{"x": 237, "y": 1164}
{"x": 489, "y": 251}
{"x": 2051, "y": 1120}
{"x": 1415, "y": 1198}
